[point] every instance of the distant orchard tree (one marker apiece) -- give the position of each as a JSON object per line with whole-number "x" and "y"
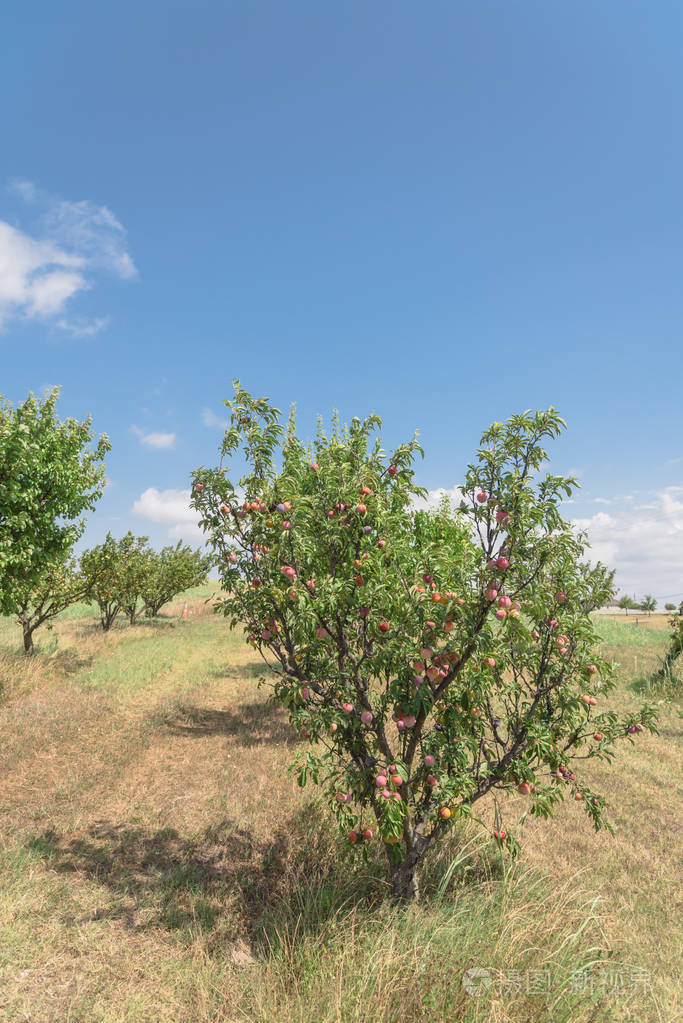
{"x": 648, "y": 603}
{"x": 49, "y": 476}
{"x": 60, "y": 587}
{"x": 627, "y": 604}
{"x": 172, "y": 571}
{"x": 669, "y": 607}
{"x": 114, "y": 574}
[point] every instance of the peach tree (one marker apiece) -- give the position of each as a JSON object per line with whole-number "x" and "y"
{"x": 429, "y": 656}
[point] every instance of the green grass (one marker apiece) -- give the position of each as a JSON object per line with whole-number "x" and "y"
{"x": 158, "y": 863}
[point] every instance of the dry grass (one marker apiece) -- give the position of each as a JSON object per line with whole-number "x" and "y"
{"x": 157, "y": 862}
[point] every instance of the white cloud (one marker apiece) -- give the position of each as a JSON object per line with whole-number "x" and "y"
{"x": 160, "y": 441}
{"x": 644, "y": 545}
{"x": 211, "y": 420}
{"x": 67, "y": 247}
{"x": 170, "y": 507}
{"x": 434, "y": 498}
{"x": 601, "y": 500}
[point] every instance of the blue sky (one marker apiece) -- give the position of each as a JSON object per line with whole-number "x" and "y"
{"x": 444, "y": 212}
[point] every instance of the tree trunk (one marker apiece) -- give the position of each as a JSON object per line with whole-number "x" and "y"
{"x": 28, "y": 639}
{"x": 108, "y": 618}
{"x": 404, "y": 886}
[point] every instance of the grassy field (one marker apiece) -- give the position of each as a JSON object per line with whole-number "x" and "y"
{"x": 157, "y": 862}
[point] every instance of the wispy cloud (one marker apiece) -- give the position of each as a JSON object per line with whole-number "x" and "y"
{"x": 211, "y": 420}
{"x": 154, "y": 439}
{"x": 172, "y": 508}
{"x": 83, "y": 328}
{"x": 63, "y": 251}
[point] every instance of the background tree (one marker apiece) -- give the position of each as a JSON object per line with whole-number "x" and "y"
{"x": 114, "y": 575}
{"x": 675, "y": 648}
{"x": 172, "y": 571}
{"x": 59, "y": 587}
{"x": 137, "y": 565}
{"x": 49, "y": 476}
{"x": 648, "y": 603}
{"x": 430, "y": 657}
{"x": 627, "y": 604}
{"x": 669, "y": 607}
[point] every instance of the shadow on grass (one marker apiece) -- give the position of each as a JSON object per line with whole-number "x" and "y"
{"x": 225, "y": 884}
{"x": 251, "y": 669}
{"x": 255, "y": 723}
